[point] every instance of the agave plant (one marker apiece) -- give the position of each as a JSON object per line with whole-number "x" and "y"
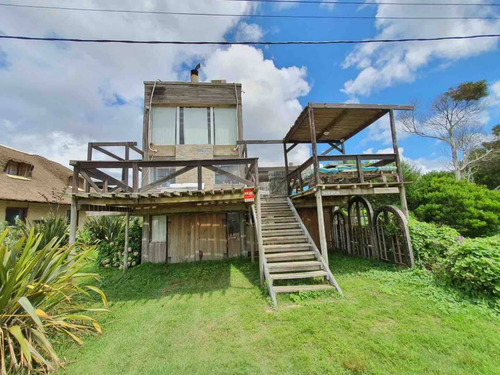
{"x": 105, "y": 228}
{"x": 49, "y": 228}
{"x": 41, "y": 291}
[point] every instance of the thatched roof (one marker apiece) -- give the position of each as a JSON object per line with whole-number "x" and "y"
{"x": 48, "y": 184}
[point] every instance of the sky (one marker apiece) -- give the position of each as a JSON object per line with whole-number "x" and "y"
{"x": 56, "y": 97}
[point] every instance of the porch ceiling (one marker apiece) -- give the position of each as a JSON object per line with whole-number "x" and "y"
{"x": 337, "y": 122}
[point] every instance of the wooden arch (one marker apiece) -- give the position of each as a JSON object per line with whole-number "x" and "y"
{"x": 393, "y": 236}
{"x": 360, "y": 214}
{"x": 340, "y": 231}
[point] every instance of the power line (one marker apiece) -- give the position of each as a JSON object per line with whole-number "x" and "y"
{"x": 340, "y": 2}
{"x": 46, "y": 7}
{"x": 298, "y": 42}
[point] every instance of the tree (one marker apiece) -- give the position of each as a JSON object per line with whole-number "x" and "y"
{"x": 454, "y": 119}
{"x": 487, "y": 172}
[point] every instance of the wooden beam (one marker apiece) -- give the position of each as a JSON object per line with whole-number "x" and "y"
{"x": 386, "y": 107}
{"x": 321, "y": 225}
{"x": 139, "y": 151}
{"x": 106, "y": 152}
{"x": 260, "y": 142}
{"x": 314, "y": 147}
{"x": 287, "y": 181}
{"x": 332, "y": 124}
{"x": 125, "y": 247}
{"x": 368, "y": 122}
{"x": 90, "y": 182}
{"x": 291, "y": 147}
{"x": 160, "y": 163}
{"x": 404, "y": 203}
{"x": 103, "y": 176}
{"x": 200, "y": 177}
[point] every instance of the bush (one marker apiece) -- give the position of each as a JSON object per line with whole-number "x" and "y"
{"x": 50, "y": 227}
{"x": 432, "y": 243}
{"x": 471, "y": 209}
{"x": 111, "y": 240}
{"x": 475, "y": 266}
{"x": 39, "y": 289}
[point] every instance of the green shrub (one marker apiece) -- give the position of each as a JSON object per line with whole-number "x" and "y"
{"x": 471, "y": 209}
{"x": 39, "y": 290}
{"x": 105, "y": 227}
{"x": 475, "y": 266}
{"x": 110, "y": 254}
{"x": 52, "y": 226}
{"x": 432, "y": 243}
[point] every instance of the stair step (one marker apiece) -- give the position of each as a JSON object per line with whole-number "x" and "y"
{"x": 282, "y": 232}
{"x": 276, "y": 212}
{"x": 301, "y": 288}
{"x": 278, "y": 226}
{"x": 294, "y": 266}
{"x": 287, "y": 247}
{"x": 285, "y": 239}
{"x": 271, "y": 220}
{"x": 298, "y": 275}
{"x": 288, "y": 256}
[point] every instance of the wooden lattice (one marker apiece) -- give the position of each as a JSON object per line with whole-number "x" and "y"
{"x": 340, "y": 232}
{"x": 393, "y": 237}
{"x": 360, "y": 216}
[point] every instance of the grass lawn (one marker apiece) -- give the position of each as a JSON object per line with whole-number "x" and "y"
{"x": 212, "y": 317}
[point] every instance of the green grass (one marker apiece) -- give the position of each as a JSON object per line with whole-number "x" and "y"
{"x": 213, "y": 318}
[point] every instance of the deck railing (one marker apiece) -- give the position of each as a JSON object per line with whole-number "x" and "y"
{"x": 361, "y": 170}
{"x": 144, "y": 176}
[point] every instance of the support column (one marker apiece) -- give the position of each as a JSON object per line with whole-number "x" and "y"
{"x": 243, "y": 235}
{"x": 259, "y": 238}
{"x": 287, "y": 181}
{"x": 145, "y": 239}
{"x": 73, "y": 222}
{"x": 402, "y": 190}
{"x": 125, "y": 247}
{"x": 321, "y": 225}
{"x": 314, "y": 146}
{"x": 252, "y": 236}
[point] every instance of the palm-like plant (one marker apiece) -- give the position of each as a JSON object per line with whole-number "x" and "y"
{"x": 49, "y": 227}
{"x": 106, "y": 227}
{"x": 38, "y": 286}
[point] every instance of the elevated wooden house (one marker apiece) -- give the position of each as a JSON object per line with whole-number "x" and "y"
{"x": 201, "y": 198}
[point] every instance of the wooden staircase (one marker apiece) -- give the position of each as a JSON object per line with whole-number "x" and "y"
{"x": 289, "y": 253}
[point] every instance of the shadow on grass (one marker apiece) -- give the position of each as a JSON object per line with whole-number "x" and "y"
{"x": 154, "y": 281}
{"x": 341, "y": 264}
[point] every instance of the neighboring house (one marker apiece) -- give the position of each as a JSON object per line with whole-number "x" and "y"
{"x": 32, "y": 186}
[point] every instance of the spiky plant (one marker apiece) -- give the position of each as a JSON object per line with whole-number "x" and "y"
{"x": 41, "y": 291}
{"x": 105, "y": 227}
{"x": 49, "y": 227}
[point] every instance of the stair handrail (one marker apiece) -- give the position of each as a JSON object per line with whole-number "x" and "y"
{"x": 315, "y": 248}
{"x": 263, "y": 270}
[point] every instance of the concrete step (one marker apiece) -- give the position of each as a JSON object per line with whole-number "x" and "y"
{"x": 311, "y": 265}
{"x": 285, "y": 239}
{"x": 301, "y": 288}
{"x": 298, "y": 275}
{"x": 281, "y": 232}
{"x": 295, "y": 255}
{"x": 287, "y": 248}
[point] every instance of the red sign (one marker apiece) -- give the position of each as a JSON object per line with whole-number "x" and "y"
{"x": 249, "y": 195}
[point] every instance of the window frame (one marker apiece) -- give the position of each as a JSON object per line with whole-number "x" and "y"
{"x": 23, "y": 216}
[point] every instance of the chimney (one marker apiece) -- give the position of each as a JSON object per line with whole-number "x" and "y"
{"x": 194, "y": 76}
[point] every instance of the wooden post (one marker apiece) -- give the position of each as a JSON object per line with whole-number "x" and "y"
{"x": 359, "y": 167}
{"x": 402, "y": 190}
{"x": 200, "y": 178}
{"x": 243, "y": 235}
{"x": 145, "y": 239}
{"x": 287, "y": 181}
{"x": 259, "y": 238}
{"x": 125, "y": 170}
{"x": 314, "y": 147}
{"x": 89, "y": 157}
{"x": 125, "y": 247}
{"x": 135, "y": 178}
{"x": 321, "y": 225}
{"x": 73, "y": 221}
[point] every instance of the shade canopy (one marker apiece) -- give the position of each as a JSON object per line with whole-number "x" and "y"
{"x": 337, "y": 122}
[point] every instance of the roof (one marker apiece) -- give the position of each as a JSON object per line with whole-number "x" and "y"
{"x": 337, "y": 121}
{"x": 48, "y": 183}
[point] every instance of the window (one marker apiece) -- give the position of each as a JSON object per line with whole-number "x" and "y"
{"x": 221, "y": 179}
{"x": 19, "y": 169}
{"x": 15, "y": 213}
{"x": 163, "y": 131}
{"x": 159, "y": 173}
{"x": 194, "y": 125}
{"x": 225, "y": 124}
{"x": 159, "y": 228}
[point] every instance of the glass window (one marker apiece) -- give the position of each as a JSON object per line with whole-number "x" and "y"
{"x": 221, "y": 179}
{"x": 194, "y": 126}
{"x": 163, "y": 127}
{"x": 159, "y": 228}
{"x": 159, "y": 173}
{"x": 226, "y": 126}
{"x": 15, "y": 213}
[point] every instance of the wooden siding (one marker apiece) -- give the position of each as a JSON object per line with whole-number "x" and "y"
{"x": 309, "y": 217}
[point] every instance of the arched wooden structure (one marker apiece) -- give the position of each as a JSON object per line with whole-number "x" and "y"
{"x": 393, "y": 236}
{"x": 360, "y": 214}
{"x": 340, "y": 232}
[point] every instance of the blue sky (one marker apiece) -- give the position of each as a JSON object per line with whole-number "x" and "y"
{"x": 54, "y": 98}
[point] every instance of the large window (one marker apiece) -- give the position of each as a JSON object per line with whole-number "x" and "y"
{"x": 15, "y": 213}
{"x": 164, "y": 120}
{"x": 159, "y": 228}
{"x": 194, "y": 125}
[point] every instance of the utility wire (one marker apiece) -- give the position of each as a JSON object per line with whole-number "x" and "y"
{"x": 340, "y": 2}
{"x": 241, "y": 15}
{"x": 298, "y": 42}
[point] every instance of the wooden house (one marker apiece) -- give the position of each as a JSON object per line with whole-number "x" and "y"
{"x": 201, "y": 198}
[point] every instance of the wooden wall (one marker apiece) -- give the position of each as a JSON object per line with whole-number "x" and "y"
{"x": 309, "y": 217}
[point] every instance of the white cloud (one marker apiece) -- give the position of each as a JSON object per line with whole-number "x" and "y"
{"x": 56, "y": 97}
{"x": 495, "y": 94}
{"x": 380, "y": 132}
{"x": 383, "y": 65}
{"x": 249, "y": 32}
